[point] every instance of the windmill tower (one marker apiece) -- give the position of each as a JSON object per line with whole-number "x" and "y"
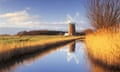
{"x": 71, "y": 24}
{"x": 71, "y": 29}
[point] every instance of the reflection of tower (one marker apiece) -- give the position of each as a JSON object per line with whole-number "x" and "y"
{"x": 71, "y": 28}
{"x": 71, "y": 53}
{"x": 71, "y": 47}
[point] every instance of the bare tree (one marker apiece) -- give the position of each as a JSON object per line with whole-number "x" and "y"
{"x": 104, "y": 13}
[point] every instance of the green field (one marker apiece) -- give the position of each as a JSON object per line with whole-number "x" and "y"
{"x": 12, "y": 39}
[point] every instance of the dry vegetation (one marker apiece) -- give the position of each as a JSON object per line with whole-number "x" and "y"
{"x": 13, "y": 42}
{"x": 104, "y": 13}
{"x": 103, "y": 44}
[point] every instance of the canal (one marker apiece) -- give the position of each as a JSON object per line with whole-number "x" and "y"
{"x": 69, "y": 57}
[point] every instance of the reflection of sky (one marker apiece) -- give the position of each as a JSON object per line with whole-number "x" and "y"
{"x": 74, "y": 55}
{"x": 57, "y": 62}
{"x": 33, "y": 13}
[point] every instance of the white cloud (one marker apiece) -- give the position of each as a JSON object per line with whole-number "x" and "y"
{"x": 24, "y": 19}
{"x": 18, "y": 18}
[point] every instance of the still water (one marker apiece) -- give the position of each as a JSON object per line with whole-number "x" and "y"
{"x": 67, "y": 58}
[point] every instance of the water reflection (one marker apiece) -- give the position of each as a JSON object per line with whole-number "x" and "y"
{"x": 26, "y": 59}
{"x": 95, "y": 67}
{"x": 98, "y": 66}
{"x": 71, "y": 52}
{"x": 69, "y": 57}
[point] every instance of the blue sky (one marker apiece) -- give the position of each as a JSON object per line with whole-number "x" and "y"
{"x": 41, "y": 14}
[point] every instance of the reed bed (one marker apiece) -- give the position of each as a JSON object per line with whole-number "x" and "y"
{"x": 104, "y": 46}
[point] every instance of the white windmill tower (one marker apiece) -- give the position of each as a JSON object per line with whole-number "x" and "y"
{"x": 71, "y": 22}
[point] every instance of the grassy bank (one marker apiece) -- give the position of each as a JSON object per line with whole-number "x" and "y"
{"x": 18, "y": 39}
{"x": 15, "y": 48}
{"x": 104, "y": 47}
{"x": 10, "y": 42}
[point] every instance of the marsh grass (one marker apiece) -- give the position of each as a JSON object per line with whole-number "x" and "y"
{"x": 13, "y": 42}
{"x": 104, "y": 46}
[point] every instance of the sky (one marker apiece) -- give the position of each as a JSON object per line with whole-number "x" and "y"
{"x": 17, "y": 15}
